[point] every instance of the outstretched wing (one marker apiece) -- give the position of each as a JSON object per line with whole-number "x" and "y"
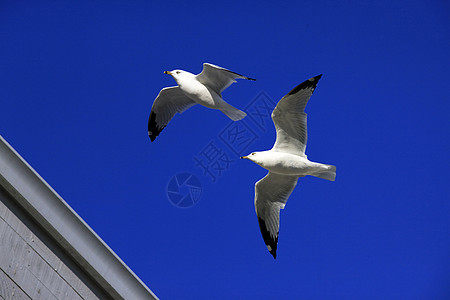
{"x": 290, "y": 119}
{"x": 271, "y": 194}
{"x": 170, "y": 100}
{"x": 218, "y": 78}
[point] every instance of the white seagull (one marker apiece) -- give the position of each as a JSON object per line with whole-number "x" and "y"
{"x": 205, "y": 88}
{"x": 286, "y": 161}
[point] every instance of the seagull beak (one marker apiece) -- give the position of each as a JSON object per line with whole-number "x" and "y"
{"x": 244, "y": 157}
{"x": 167, "y": 72}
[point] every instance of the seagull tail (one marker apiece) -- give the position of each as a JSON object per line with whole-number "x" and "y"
{"x": 329, "y": 174}
{"x": 232, "y": 112}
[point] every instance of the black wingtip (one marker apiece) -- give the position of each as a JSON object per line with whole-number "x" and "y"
{"x": 151, "y": 136}
{"x": 245, "y": 77}
{"x": 271, "y": 242}
{"x": 153, "y": 129}
{"x": 310, "y": 83}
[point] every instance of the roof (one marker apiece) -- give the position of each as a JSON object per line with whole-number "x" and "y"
{"x": 67, "y": 228}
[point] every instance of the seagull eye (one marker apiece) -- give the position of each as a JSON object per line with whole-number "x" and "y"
{"x": 178, "y": 72}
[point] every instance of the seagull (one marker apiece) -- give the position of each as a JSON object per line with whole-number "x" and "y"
{"x": 205, "y": 88}
{"x": 286, "y": 161}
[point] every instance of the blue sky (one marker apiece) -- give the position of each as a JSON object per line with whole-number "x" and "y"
{"x": 77, "y": 81}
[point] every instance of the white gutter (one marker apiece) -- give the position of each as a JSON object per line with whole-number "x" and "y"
{"x": 57, "y": 218}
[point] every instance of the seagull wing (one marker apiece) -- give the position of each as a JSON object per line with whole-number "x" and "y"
{"x": 218, "y": 78}
{"x": 170, "y": 100}
{"x": 290, "y": 119}
{"x": 271, "y": 194}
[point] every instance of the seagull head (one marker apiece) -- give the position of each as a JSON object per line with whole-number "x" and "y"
{"x": 260, "y": 158}
{"x": 252, "y": 156}
{"x": 178, "y": 74}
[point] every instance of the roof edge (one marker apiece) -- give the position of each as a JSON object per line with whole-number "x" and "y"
{"x": 70, "y": 231}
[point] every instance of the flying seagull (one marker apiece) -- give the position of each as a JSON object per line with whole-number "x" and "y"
{"x": 286, "y": 161}
{"x": 205, "y": 88}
